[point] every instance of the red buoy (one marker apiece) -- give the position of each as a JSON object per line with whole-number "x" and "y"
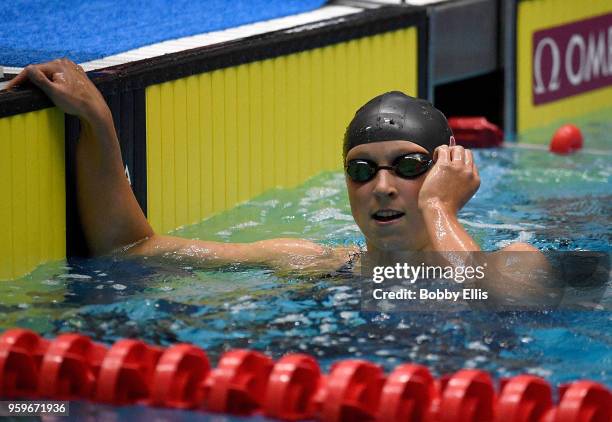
{"x": 566, "y": 140}
{"x": 475, "y": 132}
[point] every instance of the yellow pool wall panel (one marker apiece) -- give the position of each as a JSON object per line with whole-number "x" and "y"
{"x": 535, "y": 15}
{"x": 33, "y": 195}
{"x": 217, "y": 139}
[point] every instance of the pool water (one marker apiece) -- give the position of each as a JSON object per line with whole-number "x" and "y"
{"x": 553, "y": 202}
{"x": 560, "y": 203}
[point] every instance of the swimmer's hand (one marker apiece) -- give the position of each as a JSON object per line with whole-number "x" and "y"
{"x": 67, "y": 85}
{"x": 110, "y": 215}
{"x": 452, "y": 180}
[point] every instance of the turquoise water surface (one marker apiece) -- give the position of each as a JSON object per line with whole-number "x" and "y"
{"x": 553, "y": 202}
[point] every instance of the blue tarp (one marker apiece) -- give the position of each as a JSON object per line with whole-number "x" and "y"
{"x": 34, "y": 31}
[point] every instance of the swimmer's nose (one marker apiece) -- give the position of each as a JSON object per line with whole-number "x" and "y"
{"x": 385, "y": 184}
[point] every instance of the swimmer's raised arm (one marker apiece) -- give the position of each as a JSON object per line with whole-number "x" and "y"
{"x": 109, "y": 212}
{"x": 452, "y": 181}
{"x": 110, "y": 215}
{"x": 449, "y": 185}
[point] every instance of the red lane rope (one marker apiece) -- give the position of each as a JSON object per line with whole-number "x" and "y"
{"x": 246, "y": 382}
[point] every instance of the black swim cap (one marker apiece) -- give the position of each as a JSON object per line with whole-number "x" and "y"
{"x": 397, "y": 116}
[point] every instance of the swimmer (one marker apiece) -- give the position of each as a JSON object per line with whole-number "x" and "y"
{"x": 405, "y": 184}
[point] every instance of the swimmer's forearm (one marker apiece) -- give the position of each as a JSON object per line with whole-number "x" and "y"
{"x": 109, "y": 212}
{"x": 277, "y": 254}
{"x": 445, "y": 230}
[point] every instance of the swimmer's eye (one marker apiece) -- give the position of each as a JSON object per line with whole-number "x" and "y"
{"x": 408, "y": 166}
{"x": 361, "y": 170}
{"x": 412, "y": 165}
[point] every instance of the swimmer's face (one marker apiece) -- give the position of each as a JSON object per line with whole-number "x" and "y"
{"x": 386, "y": 207}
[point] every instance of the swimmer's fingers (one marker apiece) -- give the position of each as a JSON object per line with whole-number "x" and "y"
{"x": 17, "y": 80}
{"x": 68, "y": 86}
{"x": 441, "y": 155}
{"x": 29, "y": 73}
{"x": 39, "y": 75}
{"x": 470, "y": 162}
{"x": 457, "y": 155}
{"x": 472, "y": 167}
{"x": 42, "y": 74}
{"x": 41, "y": 80}
{"x": 469, "y": 158}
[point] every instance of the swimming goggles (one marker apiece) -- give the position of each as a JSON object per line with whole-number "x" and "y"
{"x": 407, "y": 166}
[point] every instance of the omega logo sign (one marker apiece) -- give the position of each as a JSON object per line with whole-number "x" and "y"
{"x": 572, "y": 59}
